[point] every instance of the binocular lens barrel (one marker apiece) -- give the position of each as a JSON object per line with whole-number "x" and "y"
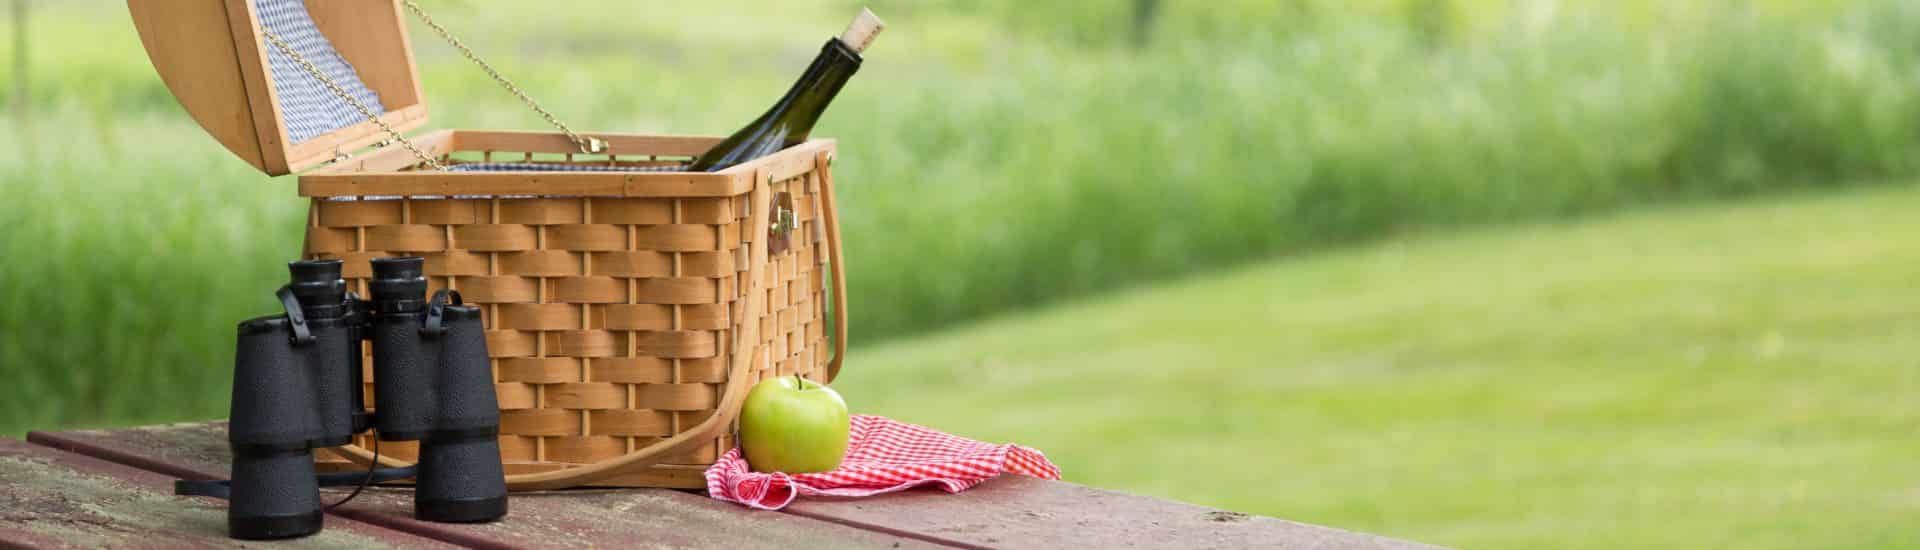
{"x": 334, "y": 357}
{"x": 274, "y": 495}
{"x": 275, "y": 422}
{"x": 461, "y": 479}
{"x": 403, "y": 365}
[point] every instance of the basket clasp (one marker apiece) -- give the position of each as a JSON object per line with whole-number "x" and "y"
{"x": 783, "y": 223}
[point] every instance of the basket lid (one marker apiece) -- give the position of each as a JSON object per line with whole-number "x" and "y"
{"x": 262, "y": 104}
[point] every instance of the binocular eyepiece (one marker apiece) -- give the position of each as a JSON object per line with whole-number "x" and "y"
{"x": 298, "y": 386}
{"x": 399, "y": 284}
{"x": 319, "y": 288}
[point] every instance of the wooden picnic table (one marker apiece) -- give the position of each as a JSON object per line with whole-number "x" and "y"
{"x": 113, "y": 488}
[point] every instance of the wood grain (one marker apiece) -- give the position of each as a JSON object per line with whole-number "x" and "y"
{"x": 180, "y": 37}
{"x": 1022, "y": 512}
{"x": 1008, "y": 512}
{"x": 211, "y": 55}
{"x": 58, "y": 499}
{"x": 560, "y": 519}
{"x": 371, "y": 35}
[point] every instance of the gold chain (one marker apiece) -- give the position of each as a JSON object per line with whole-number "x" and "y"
{"x": 587, "y": 145}
{"x": 355, "y": 102}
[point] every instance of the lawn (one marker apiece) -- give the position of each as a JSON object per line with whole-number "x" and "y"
{"x": 1686, "y": 374}
{"x": 1728, "y": 376}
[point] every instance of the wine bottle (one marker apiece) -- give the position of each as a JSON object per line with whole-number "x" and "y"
{"x": 789, "y": 120}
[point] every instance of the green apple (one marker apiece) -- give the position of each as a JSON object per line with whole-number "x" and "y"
{"x": 793, "y": 425}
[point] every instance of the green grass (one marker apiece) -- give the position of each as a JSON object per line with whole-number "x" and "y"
{"x": 121, "y": 282}
{"x": 1625, "y": 380}
{"x": 1732, "y": 376}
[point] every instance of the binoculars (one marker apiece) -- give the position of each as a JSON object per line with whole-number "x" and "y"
{"x": 297, "y": 386}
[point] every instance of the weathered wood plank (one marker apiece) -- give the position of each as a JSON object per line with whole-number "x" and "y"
{"x": 560, "y": 519}
{"x": 1022, "y": 512}
{"x": 56, "y": 499}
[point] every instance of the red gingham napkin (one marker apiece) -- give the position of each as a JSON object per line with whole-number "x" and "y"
{"x": 883, "y": 456}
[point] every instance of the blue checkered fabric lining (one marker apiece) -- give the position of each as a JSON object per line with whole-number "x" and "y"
{"x": 553, "y": 167}
{"x": 309, "y": 108}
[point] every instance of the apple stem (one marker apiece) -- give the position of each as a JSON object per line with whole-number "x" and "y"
{"x": 799, "y": 382}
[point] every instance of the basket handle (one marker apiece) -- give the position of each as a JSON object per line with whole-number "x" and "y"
{"x": 746, "y": 352}
{"x": 831, "y": 217}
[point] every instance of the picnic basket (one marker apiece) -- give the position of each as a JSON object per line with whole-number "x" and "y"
{"x": 628, "y": 306}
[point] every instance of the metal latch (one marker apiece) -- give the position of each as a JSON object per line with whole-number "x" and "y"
{"x": 782, "y": 225}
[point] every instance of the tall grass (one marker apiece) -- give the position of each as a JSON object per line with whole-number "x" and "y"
{"x": 997, "y": 155}
{"x": 121, "y": 280}
{"x": 1071, "y": 170}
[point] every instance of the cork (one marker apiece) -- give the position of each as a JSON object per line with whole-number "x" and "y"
{"x": 860, "y": 33}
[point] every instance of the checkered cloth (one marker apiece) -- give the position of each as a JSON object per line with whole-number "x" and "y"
{"x": 883, "y": 456}
{"x": 309, "y": 108}
{"x": 553, "y": 167}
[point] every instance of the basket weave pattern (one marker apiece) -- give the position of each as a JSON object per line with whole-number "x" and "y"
{"x": 609, "y": 319}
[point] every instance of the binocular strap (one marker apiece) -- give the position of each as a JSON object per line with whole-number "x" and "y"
{"x": 296, "y": 318}
{"x": 437, "y": 311}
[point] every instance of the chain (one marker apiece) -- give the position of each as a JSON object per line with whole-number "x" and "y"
{"x": 587, "y": 145}
{"x": 355, "y": 102}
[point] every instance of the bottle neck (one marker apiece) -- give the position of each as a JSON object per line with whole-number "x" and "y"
{"x": 791, "y": 119}
{"x": 808, "y": 98}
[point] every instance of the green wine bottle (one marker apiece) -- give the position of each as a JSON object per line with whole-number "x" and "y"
{"x": 790, "y": 119}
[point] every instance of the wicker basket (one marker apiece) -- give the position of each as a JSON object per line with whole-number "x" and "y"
{"x": 627, "y": 312}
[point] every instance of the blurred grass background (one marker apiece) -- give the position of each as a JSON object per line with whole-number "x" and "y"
{"x": 1683, "y": 377}
{"x": 1004, "y": 159}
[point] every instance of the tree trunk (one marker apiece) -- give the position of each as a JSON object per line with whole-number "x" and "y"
{"x": 1432, "y": 21}
{"x": 1144, "y": 12}
{"x": 20, "y": 80}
